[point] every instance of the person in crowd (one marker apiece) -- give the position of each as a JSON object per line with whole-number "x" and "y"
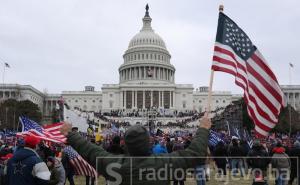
{"x": 3, "y": 168}
{"x": 26, "y": 167}
{"x": 188, "y": 141}
{"x": 258, "y": 160}
{"x": 158, "y": 148}
{"x": 235, "y": 152}
{"x": 115, "y": 147}
{"x": 280, "y": 162}
{"x": 244, "y": 152}
{"x": 69, "y": 170}
{"x": 295, "y": 163}
{"x": 178, "y": 145}
{"x": 169, "y": 145}
{"x": 201, "y": 171}
{"x": 44, "y": 151}
{"x": 137, "y": 144}
{"x": 58, "y": 176}
{"x": 220, "y": 154}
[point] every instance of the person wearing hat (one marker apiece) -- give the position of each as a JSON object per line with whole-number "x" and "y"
{"x": 57, "y": 170}
{"x": 132, "y": 168}
{"x": 258, "y": 161}
{"x": 295, "y": 164}
{"x": 26, "y": 167}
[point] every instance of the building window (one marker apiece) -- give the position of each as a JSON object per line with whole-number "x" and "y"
{"x": 100, "y": 101}
{"x": 76, "y": 101}
{"x": 184, "y": 104}
{"x": 93, "y": 101}
{"x": 111, "y": 95}
{"x": 111, "y": 104}
{"x": 217, "y": 101}
{"x": 183, "y": 95}
{"x": 200, "y": 101}
{"x": 224, "y": 101}
{"x": 84, "y": 101}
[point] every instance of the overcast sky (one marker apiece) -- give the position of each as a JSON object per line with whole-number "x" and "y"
{"x": 66, "y": 44}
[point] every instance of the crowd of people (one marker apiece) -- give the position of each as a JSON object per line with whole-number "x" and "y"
{"x": 40, "y": 163}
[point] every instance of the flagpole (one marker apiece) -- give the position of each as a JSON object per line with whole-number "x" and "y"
{"x": 290, "y": 108}
{"x": 209, "y": 96}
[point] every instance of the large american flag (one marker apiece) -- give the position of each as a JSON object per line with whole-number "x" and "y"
{"x": 47, "y": 133}
{"x": 234, "y": 53}
{"x": 81, "y": 167}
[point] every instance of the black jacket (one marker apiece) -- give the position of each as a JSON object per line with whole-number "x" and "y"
{"x": 258, "y": 158}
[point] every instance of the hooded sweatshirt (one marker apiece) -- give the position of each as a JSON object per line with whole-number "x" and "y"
{"x": 140, "y": 167}
{"x": 27, "y": 168}
{"x": 280, "y": 159}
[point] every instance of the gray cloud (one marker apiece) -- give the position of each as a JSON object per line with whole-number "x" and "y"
{"x": 64, "y": 45}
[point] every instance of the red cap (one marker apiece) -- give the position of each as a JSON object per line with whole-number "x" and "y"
{"x": 32, "y": 141}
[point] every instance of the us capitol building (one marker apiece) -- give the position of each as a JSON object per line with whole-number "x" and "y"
{"x": 146, "y": 80}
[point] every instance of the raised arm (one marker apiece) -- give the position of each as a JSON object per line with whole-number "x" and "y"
{"x": 90, "y": 152}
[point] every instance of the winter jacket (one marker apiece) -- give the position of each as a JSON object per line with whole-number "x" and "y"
{"x": 280, "y": 159}
{"x": 58, "y": 175}
{"x": 105, "y": 161}
{"x": 258, "y": 158}
{"x": 27, "y": 168}
{"x": 234, "y": 151}
{"x": 178, "y": 146}
{"x": 295, "y": 157}
{"x": 219, "y": 153}
{"x": 158, "y": 149}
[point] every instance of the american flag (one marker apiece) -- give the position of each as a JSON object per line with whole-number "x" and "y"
{"x": 80, "y": 165}
{"x": 47, "y": 133}
{"x": 234, "y": 53}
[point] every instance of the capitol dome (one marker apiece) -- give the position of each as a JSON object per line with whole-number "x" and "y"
{"x": 147, "y": 57}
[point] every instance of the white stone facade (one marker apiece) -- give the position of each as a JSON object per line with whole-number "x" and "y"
{"x": 292, "y": 95}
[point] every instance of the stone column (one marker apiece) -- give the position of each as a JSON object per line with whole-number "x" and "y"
{"x": 159, "y": 99}
{"x": 162, "y": 97}
{"x": 125, "y": 99}
{"x": 170, "y": 100}
{"x": 173, "y": 99}
{"x": 140, "y": 73}
{"x": 121, "y": 100}
{"x": 135, "y": 99}
{"x": 288, "y": 98}
{"x": 151, "y": 98}
{"x": 144, "y": 99}
{"x": 158, "y": 73}
{"x": 132, "y": 99}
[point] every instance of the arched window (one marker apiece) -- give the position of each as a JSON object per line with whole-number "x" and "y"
{"x": 142, "y": 56}
{"x": 147, "y": 56}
